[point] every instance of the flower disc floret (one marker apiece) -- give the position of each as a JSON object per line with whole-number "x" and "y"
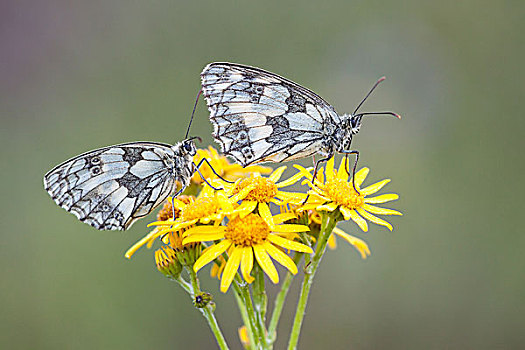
{"x": 264, "y": 191}
{"x": 342, "y": 193}
{"x": 202, "y": 207}
{"x": 248, "y": 231}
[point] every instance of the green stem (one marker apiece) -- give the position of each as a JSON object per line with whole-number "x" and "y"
{"x": 207, "y": 312}
{"x": 260, "y": 302}
{"x": 244, "y": 316}
{"x": 327, "y": 226}
{"x": 185, "y": 285}
{"x": 279, "y": 302}
{"x": 242, "y": 289}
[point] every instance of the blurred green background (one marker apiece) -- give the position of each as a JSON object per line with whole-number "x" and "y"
{"x": 81, "y": 75}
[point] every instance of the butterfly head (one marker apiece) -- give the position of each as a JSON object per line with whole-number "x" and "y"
{"x": 188, "y": 146}
{"x": 350, "y": 126}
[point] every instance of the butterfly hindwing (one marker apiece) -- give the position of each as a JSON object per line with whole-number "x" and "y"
{"x": 111, "y": 187}
{"x": 259, "y": 116}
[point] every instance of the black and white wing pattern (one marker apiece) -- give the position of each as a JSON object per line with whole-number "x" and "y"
{"x": 259, "y": 116}
{"x": 109, "y": 188}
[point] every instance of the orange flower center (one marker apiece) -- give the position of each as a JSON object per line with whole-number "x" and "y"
{"x": 263, "y": 192}
{"x": 166, "y": 212}
{"x": 343, "y": 193}
{"x": 201, "y": 208}
{"x": 248, "y": 231}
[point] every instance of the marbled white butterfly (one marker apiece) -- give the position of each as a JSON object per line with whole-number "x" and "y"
{"x": 111, "y": 187}
{"x": 259, "y": 116}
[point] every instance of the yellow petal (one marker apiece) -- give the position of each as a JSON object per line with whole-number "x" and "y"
{"x": 330, "y": 169}
{"x": 230, "y": 269}
{"x": 280, "y": 218}
{"x": 163, "y": 223}
{"x": 329, "y": 206}
{"x": 290, "y": 181}
{"x": 266, "y": 214}
{"x": 291, "y": 228}
{"x": 225, "y": 204}
{"x": 140, "y": 243}
{"x": 204, "y": 229}
{"x": 373, "y": 188}
{"x": 303, "y": 171}
{"x": 374, "y": 219}
{"x": 203, "y": 237}
{"x": 308, "y": 206}
{"x": 380, "y": 211}
{"x": 277, "y": 173}
{"x": 287, "y": 244}
{"x": 319, "y": 178}
{"x": 382, "y": 198}
{"x": 359, "y": 244}
{"x": 246, "y": 207}
{"x": 352, "y": 214}
{"x": 211, "y": 254}
{"x": 332, "y": 244}
{"x": 242, "y": 194}
{"x": 280, "y": 257}
{"x": 247, "y": 264}
{"x": 360, "y": 176}
{"x": 265, "y": 262}
{"x": 342, "y": 172}
{"x": 179, "y": 204}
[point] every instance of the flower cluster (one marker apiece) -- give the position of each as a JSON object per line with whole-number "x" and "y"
{"x": 243, "y": 220}
{"x": 236, "y": 225}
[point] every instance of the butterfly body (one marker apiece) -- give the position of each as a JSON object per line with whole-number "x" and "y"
{"x": 259, "y": 116}
{"x": 111, "y": 187}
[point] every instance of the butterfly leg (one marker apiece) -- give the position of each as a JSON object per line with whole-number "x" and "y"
{"x": 213, "y": 170}
{"x": 354, "y": 167}
{"x": 173, "y": 202}
{"x": 315, "y": 171}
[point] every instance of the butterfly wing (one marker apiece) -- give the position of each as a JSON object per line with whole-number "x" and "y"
{"x": 109, "y": 188}
{"x": 259, "y": 116}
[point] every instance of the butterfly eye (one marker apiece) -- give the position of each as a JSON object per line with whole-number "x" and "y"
{"x": 187, "y": 146}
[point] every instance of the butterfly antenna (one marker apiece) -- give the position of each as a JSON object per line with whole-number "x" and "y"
{"x": 380, "y": 113}
{"x": 379, "y": 81}
{"x": 193, "y": 112}
{"x": 194, "y": 137}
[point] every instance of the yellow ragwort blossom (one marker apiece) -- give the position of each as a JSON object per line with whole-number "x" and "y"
{"x": 165, "y": 214}
{"x": 209, "y": 206}
{"x": 333, "y": 190}
{"x": 256, "y": 192}
{"x": 245, "y": 238}
{"x": 222, "y": 166}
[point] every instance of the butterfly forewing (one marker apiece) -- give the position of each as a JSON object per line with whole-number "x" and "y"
{"x": 111, "y": 187}
{"x": 259, "y": 116}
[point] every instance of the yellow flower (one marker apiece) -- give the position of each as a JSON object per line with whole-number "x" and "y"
{"x": 222, "y": 166}
{"x": 165, "y": 214}
{"x": 246, "y": 237}
{"x": 207, "y": 207}
{"x": 256, "y": 192}
{"x": 333, "y": 191}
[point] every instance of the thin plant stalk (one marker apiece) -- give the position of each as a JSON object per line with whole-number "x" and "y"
{"x": 329, "y": 220}
{"x": 208, "y": 313}
{"x": 260, "y": 303}
{"x": 279, "y": 302}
